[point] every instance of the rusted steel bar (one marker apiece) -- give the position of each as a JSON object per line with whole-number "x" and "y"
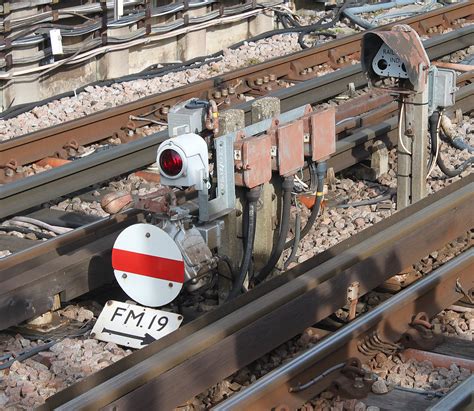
{"x": 163, "y": 379}
{"x": 435, "y": 292}
{"x": 454, "y": 66}
{"x": 31, "y": 147}
{"x": 42, "y": 187}
{"x": 72, "y": 264}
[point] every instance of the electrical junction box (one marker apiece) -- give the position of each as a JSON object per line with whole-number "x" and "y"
{"x": 252, "y": 160}
{"x": 287, "y": 147}
{"x": 212, "y": 233}
{"x": 320, "y": 134}
{"x": 441, "y": 89}
{"x": 186, "y": 117}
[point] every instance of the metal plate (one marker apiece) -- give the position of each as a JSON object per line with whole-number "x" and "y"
{"x": 132, "y": 325}
{"x": 387, "y": 63}
{"x": 148, "y": 265}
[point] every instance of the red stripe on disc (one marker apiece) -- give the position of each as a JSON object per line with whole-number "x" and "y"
{"x": 148, "y": 265}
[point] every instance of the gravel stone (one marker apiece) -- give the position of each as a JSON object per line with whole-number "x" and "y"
{"x": 379, "y": 387}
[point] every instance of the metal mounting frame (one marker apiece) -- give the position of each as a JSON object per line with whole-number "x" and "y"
{"x": 225, "y": 193}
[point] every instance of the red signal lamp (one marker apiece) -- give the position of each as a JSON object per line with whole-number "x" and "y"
{"x": 171, "y": 162}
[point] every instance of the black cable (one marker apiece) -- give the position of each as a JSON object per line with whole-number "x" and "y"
{"x": 319, "y": 26}
{"x": 296, "y": 241}
{"x": 460, "y": 144}
{"x": 433, "y": 122}
{"x": 225, "y": 259}
{"x": 287, "y": 20}
{"x": 367, "y": 202}
{"x": 150, "y": 72}
{"x": 320, "y": 172}
{"x": 9, "y": 358}
{"x": 251, "y": 210}
{"x": 283, "y": 20}
{"x": 432, "y": 147}
{"x": 28, "y": 353}
{"x": 314, "y": 32}
{"x": 293, "y": 21}
{"x": 457, "y": 142}
{"x": 279, "y": 247}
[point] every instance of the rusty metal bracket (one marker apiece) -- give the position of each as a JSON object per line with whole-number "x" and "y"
{"x": 422, "y": 334}
{"x": 104, "y": 22}
{"x": 406, "y": 49}
{"x": 147, "y": 17}
{"x": 261, "y": 86}
{"x": 158, "y": 202}
{"x": 226, "y": 96}
{"x": 300, "y": 72}
{"x": 372, "y": 344}
{"x": 354, "y": 381}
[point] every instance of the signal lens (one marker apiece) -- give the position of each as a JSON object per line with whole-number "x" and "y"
{"x": 171, "y": 162}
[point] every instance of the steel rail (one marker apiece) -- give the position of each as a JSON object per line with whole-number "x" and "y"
{"x": 357, "y": 146}
{"x": 433, "y": 292}
{"x": 460, "y": 399}
{"x": 23, "y": 194}
{"x": 70, "y": 265}
{"x": 163, "y": 375}
{"x": 34, "y": 146}
{"x": 79, "y": 266}
{"x": 29, "y": 192}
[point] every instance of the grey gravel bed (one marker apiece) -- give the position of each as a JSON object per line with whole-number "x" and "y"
{"x": 97, "y": 98}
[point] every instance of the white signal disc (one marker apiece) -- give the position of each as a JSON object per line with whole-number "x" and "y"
{"x": 148, "y": 265}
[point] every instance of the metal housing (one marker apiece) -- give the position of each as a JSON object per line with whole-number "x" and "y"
{"x": 407, "y": 46}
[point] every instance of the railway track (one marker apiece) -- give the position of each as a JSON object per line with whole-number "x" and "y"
{"x": 289, "y": 386}
{"x": 20, "y": 195}
{"x": 79, "y": 261}
{"x": 298, "y": 69}
{"x": 71, "y": 265}
{"x": 163, "y": 375}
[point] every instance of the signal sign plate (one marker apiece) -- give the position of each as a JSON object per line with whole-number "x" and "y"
{"x": 148, "y": 265}
{"x": 133, "y": 326}
{"x": 387, "y": 63}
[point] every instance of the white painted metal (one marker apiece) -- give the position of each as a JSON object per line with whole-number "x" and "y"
{"x": 194, "y": 152}
{"x": 132, "y": 249}
{"x": 118, "y": 9}
{"x": 56, "y": 41}
{"x": 132, "y": 325}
